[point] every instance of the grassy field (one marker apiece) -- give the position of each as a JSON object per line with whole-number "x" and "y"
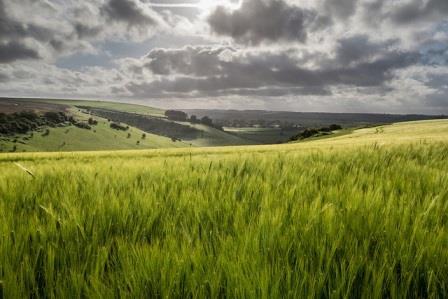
{"x": 363, "y": 215}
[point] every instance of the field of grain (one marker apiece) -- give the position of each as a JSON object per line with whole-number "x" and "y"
{"x": 359, "y": 215}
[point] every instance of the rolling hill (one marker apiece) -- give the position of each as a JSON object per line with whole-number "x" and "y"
{"x": 160, "y": 133}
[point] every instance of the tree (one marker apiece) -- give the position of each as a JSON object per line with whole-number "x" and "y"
{"x": 207, "y": 121}
{"x": 176, "y": 115}
{"x": 92, "y": 122}
{"x": 194, "y": 119}
{"x": 143, "y": 136}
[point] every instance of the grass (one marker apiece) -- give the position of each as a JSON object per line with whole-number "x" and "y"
{"x": 362, "y": 215}
{"x": 125, "y": 107}
{"x": 264, "y": 135}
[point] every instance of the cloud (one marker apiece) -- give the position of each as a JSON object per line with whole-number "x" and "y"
{"x": 256, "y": 21}
{"x": 417, "y": 10}
{"x": 14, "y": 51}
{"x": 210, "y": 71}
{"x": 359, "y": 54}
{"x": 340, "y": 8}
{"x": 131, "y": 12}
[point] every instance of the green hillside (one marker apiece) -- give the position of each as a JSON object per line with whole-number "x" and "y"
{"x": 71, "y": 138}
{"x": 125, "y": 107}
{"x": 362, "y": 215}
{"x": 102, "y": 137}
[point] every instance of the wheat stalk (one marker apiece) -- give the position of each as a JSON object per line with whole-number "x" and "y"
{"x": 24, "y": 169}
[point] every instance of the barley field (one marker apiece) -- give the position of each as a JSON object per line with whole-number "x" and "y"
{"x": 363, "y": 215}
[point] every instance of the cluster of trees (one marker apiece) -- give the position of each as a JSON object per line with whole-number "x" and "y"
{"x": 308, "y": 133}
{"x": 26, "y": 121}
{"x": 182, "y": 116}
{"x": 176, "y": 115}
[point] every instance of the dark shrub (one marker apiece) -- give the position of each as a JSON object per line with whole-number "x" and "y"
{"x": 117, "y": 126}
{"x": 335, "y": 127}
{"x": 143, "y": 136}
{"x": 325, "y": 129}
{"x": 92, "y": 122}
{"x": 129, "y": 135}
{"x": 30, "y": 115}
{"x": 309, "y": 133}
{"x": 83, "y": 126}
{"x": 55, "y": 117}
{"x": 46, "y": 133}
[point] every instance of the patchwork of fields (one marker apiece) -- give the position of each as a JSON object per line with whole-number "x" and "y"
{"x": 358, "y": 215}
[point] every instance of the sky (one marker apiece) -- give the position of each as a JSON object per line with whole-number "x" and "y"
{"x": 379, "y": 56}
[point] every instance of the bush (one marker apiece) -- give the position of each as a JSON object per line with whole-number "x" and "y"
{"x": 119, "y": 127}
{"x": 325, "y": 130}
{"x": 129, "y": 135}
{"x": 143, "y": 136}
{"x": 92, "y": 122}
{"x": 83, "y": 126}
{"x": 46, "y": 133}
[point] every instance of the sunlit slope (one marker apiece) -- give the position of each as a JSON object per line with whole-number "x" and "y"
{"x": 400, "y": 133}
{"x": 124, "y": 107}
{"x": 100, "y": 137}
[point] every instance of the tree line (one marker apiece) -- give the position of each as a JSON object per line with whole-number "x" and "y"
{"x": 175, "y": 115}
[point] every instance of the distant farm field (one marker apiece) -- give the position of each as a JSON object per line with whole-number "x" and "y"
{"x": 360, "y": 215}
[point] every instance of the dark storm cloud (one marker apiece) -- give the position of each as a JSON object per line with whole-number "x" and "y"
{"x": 12, "y": 51}
{"x": 211, "y": 71}
{"x": 128, "y": 11}
{"x": 359, "y": 48}
{"x": 262, "y": 20}
{"x": 418, "y": 10}
{"x": 198, "y": 61}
